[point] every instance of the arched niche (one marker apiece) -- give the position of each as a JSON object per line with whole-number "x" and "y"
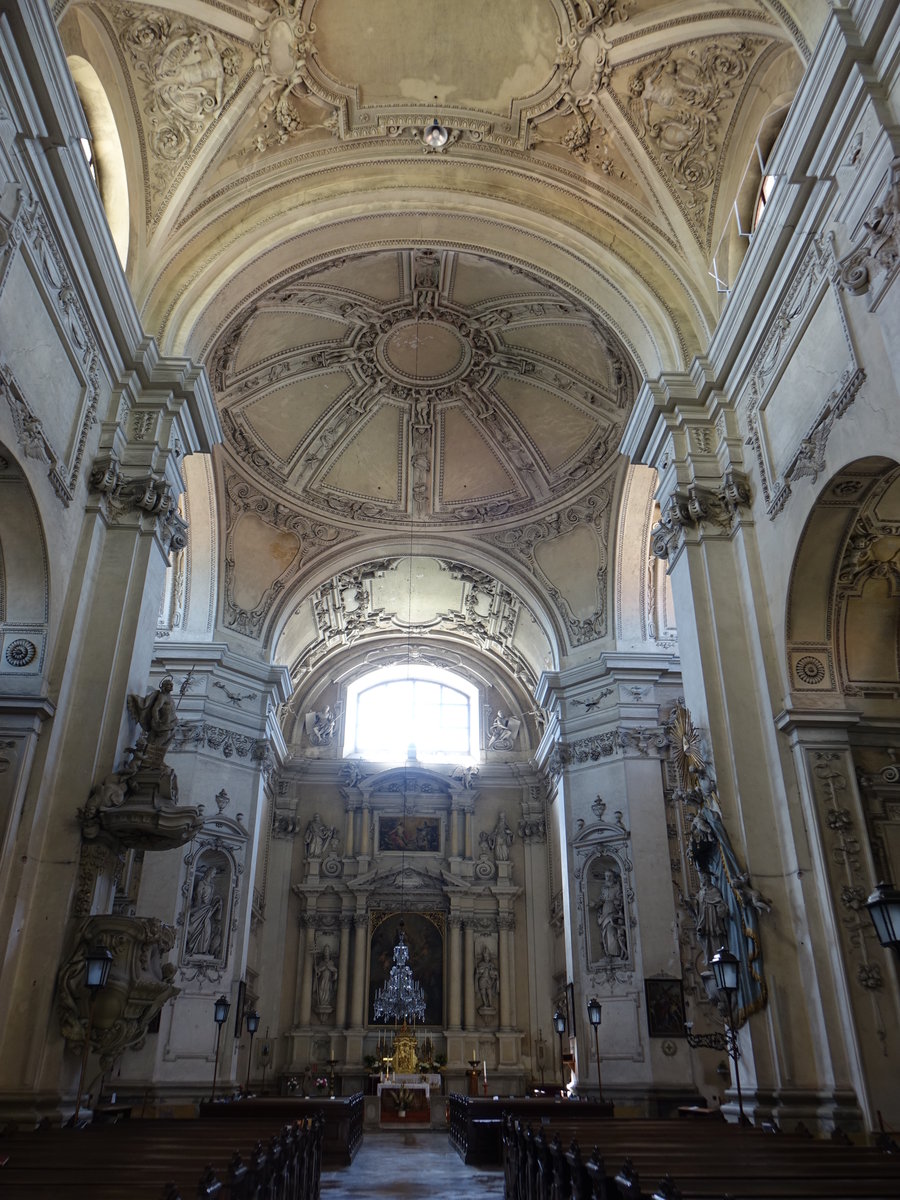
{"x": 644, "y": 607}
{"x": 843, "y": 610}
{"x": 24, "y": 582}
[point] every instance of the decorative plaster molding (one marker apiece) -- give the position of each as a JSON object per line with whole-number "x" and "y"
{"x": 871, "y": 267}
{"x": 814, "y": 280}
{"x": 593, "y": 511}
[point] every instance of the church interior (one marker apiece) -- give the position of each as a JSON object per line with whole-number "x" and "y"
{"x": 450, "y": 555}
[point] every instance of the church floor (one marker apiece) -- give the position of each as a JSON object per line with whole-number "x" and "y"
{"x": 409, "y": 1164}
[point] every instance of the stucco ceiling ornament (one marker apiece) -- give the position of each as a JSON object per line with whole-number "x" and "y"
{"x": 187, "y": 74}
{"x": 483, "y": 370}
{"x": 680, "y": 103}
{"x": 289, "y": 97}
{"x": 592, "y": 511}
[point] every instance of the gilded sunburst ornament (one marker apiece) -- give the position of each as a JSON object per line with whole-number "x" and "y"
{"x": 686, "y": 749}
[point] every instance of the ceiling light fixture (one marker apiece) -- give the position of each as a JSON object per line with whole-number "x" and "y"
{"x": 435, "y": 135}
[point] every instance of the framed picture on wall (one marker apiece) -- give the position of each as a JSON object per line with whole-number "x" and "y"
{"x": 665, "y": 1007}
{"x": 409, "y": 833}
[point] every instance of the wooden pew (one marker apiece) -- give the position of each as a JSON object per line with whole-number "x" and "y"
{"x": 695, "y": 1162}
{"x": 343, "y": 1119}
{"x": 475, "y": 1122}
{"x": 140, "y": 1160}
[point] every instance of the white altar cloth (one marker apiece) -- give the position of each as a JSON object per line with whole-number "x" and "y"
{"x": 414, "y": 1084}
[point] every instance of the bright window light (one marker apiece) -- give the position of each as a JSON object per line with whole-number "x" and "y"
{"x": 393, "y": 708}
{"x": 765, "y": 191}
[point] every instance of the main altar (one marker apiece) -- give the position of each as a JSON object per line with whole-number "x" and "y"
{"x": 404, "y": 1093}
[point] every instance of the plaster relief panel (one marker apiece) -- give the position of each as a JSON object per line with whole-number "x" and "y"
{"x": 804, "y": 377}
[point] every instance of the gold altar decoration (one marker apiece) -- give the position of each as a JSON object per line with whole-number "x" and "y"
{"x": 406, "y": 1051}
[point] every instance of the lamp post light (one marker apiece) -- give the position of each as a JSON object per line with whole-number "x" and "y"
{"x": 725, "y": 970}
{"x": 884, "y": 909}
{"x": 252, "y": 1019}
{"x": 594, "y": 1012}
{"x": 559, "y": 1024}
{"x": 220, "y": 1016}
{"x": 97, "y": 962}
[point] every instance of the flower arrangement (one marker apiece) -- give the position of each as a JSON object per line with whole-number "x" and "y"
{"x": 404, "y": 1098}
{"x": 321, "y": 1083}
{"x": 292, "y": 1084}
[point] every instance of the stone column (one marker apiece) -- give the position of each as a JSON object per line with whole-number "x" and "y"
{"x": 454, "y": 966}
{"x": 454, "y": 832}
{"x": 349, "y": 841}
{"x": 360, "y": 948}
{"x": 507, "y": 982}
{"x": 364, "y": 832}
{"x": 305, "y": 966}
{"x": 468, "y": 835}
{"x": 340, "y": 1016}
{"x": 469, "y": 976}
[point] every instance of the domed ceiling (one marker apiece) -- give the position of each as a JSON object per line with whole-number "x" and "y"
{"x": 375, "y": 378}
{"x": 421, "y": 384}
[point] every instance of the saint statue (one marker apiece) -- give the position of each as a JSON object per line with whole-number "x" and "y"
{"x": 487, "y": 980}
{"x": 156, "y": 715}
{"x": 611, "y": 917}
{"x": 320, "y": 726}
{"x": 712, "y": 916}
{"x": 503, "y": 732}
{"x": 326, "y": 981}
{"x": 501, "y": 839}
{"x": 318, "y": 835}
{"x": 204, "y": 931}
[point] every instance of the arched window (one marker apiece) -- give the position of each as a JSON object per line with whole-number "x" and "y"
{"x": 394, "y": 708}
{"x": 103, "y": 151}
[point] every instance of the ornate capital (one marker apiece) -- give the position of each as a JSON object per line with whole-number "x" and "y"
{"x": 148, "y": 494}
{"x": 710, "y": 511}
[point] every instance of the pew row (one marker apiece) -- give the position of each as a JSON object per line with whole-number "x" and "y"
{"x": 637, "y": 1160}
{"x": 164, "y": 1160}
{"x": 343, "y": 1119}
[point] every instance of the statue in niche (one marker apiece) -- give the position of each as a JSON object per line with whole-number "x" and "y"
{"x": 501, "y": 839}
{"x": 611, "y": 916}
{"x": 320, "y": 726}
{"x": 326, "y": 982}
{"x": 487, "y": 980}
{"x": 318, "y": 835}
{"x": 503, "y": 732}
{"x": 204, "y": 930}
{"x": 712, "y": 915}
{"x": 158, "y": 719}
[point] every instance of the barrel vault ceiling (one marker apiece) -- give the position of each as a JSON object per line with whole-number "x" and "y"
{"x": 422, "y": 348}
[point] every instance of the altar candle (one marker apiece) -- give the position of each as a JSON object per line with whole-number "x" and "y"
{"x": 474, "y": 1052}
{"x": 484, "y": 1064}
